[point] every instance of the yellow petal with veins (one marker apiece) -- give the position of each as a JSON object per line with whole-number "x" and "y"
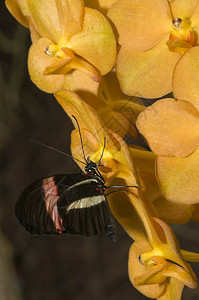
{"x": 170, "y": 127}
{"x": 37, "y": 63}
{"x": 71, "y": 14}
{"x": 183, "y": 8}
{"x": 132, "y": 18}
{"x": 96, "y": 42}
{"x": 20, "y": 10}
{"x": 178, "y": 178}
{"x": 57, "y": 20}
{"x": 186, "y": 77}
{"x": 46, "y": 19}
{"x": 146, "y": 74}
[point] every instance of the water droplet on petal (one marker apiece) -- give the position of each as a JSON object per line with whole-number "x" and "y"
{"x": 140, "y": 260}
{"x": 47, "y": 51}
{"x": 177, "y": 23}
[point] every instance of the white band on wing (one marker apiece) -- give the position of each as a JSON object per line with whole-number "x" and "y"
{"x": 87, "y": 181}
{"x": 86, "y": 202}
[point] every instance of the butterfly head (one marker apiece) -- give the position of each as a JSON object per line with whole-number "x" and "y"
{"x": 90, "y": 167}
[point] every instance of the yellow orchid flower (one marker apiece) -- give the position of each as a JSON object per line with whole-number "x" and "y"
{"x": 153, "y": 36}
{"x": 157, "y": 267}
{"x": 70, "y": 37}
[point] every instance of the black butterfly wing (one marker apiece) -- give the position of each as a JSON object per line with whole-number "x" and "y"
{"x": 36, "y": 208}
{"x": 73, "y": 204}
{"x": 89, "y": 214}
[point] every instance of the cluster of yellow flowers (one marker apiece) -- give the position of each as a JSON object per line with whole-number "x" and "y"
{"x": 96, "y": 56}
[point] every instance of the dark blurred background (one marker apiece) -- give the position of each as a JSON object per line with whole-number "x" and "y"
{"x": 49, "y": 267}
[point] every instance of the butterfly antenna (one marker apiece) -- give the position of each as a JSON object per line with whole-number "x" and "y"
{"x": 80, "y": 137}
{"x": 102, "y": 153}
{"x": 49, "y": 147}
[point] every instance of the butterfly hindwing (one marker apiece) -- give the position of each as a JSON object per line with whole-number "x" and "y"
{"x": 90, "y": 213}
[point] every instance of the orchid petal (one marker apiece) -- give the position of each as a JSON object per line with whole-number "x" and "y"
{"x": 96, "y": 41}
{"x": 137, "y": 71}
{"x": 71, "y": 15}
{"x": 172, "y": 212}
{"x": 195, "y": 17}
{"x": 178, "y": 178}
{"x": 183, "y": 8}
{"x": 86, "y": 116}
{"x": 20, "y": 10}
{"x": 170, "y": 127}
{"x": 190, "y": 256}
{"x": 57, "y": 20}
{"x": 140, "y": 24}
{"x": 46, "y": 18}
{"x": 186, "y": 77}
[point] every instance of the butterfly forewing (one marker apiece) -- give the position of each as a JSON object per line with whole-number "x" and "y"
{"x": 36, "y": 208}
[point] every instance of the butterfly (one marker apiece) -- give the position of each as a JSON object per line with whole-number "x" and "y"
{"x": 68, "y": 203}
